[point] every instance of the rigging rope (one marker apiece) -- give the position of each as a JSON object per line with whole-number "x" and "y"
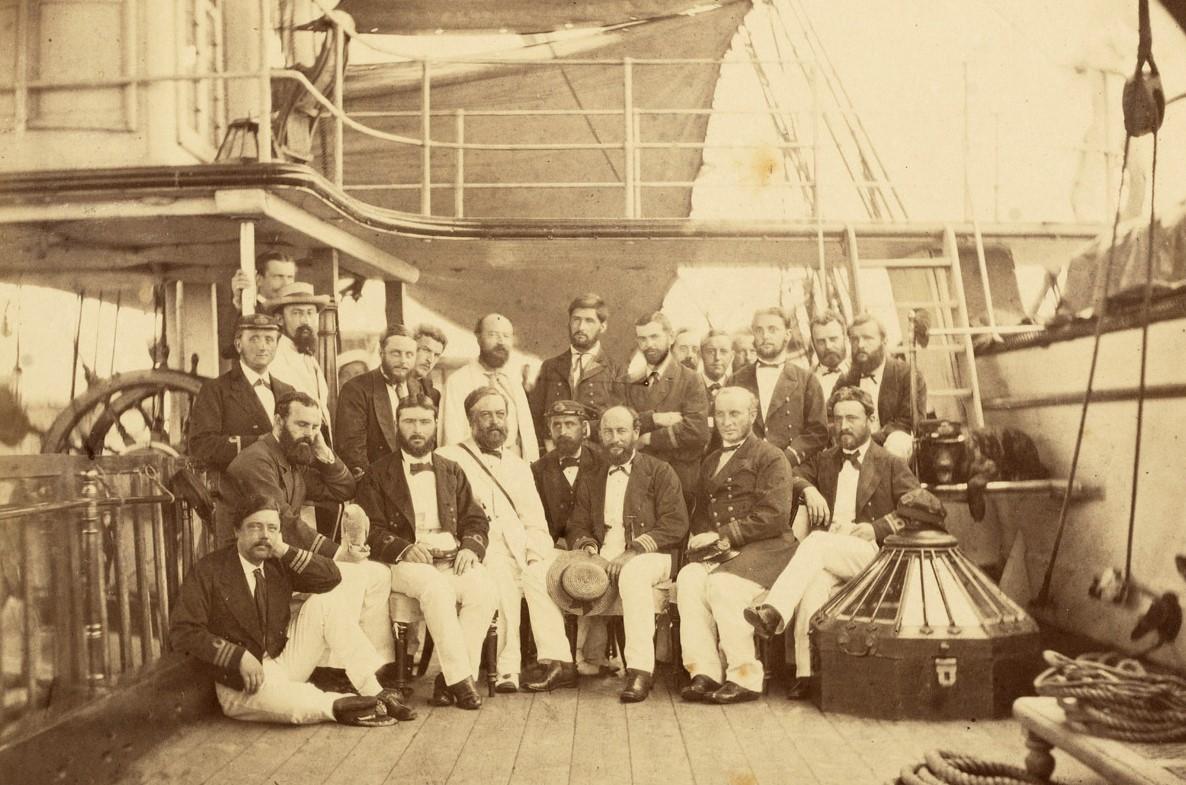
{"x": 942, "y": 767}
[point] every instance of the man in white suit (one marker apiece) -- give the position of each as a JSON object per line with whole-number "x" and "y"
{"x": 496, "y": 339}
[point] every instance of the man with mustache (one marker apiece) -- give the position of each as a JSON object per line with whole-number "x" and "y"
{"x": 790, "y": 401}
{"x": 850, "y": 492}
{"x": 887, "y": 380}
{"x": 364, "y": 429}
{"x": 503, "y": 485}
{"x": 686, "y": 349}
{"x": 273, "y": 271}
{"x": 716, "y": 354}
{"x": 742, "y": 519}
{"x": 496, "y": 339}
{"x": 232, "y": 615}
{"x": 670, "y": 400}
{"x": 831, "y": 350}
{"x": 426, "y": 524}
{"x": 234, "y": 410}
{"x": 431, "y": 342}
{"x": 299, "y": 312}
{"x": 630, "y": 512}
{"x": 584, "y": 373}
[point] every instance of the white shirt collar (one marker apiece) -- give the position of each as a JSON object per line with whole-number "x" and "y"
{"x": 878, "y": 372}
{"x": 249, "y": 568}
{"x": 628, "y": 466}
{"x": 661, "y": 367}
{"x": 723, "y": 381}
{"x": 408, "y": 460}
{"x": 760, "y": 363}
{"x": 592, "y": 351}
{"x": 253, "y": 377}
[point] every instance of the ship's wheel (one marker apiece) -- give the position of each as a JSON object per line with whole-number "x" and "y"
{"x": 127, "y": 413}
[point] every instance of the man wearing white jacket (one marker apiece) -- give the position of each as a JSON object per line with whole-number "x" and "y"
{"x": 502, "y": 483}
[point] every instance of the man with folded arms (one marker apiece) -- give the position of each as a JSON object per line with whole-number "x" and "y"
{"x": 426, "y": 524}
{"x": 850, "y": 492}
{"x": 741, "y": 542}
{"x": 233, "y": 615}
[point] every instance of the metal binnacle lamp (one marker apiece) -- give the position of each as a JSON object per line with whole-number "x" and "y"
{"x": 923, "y": 633}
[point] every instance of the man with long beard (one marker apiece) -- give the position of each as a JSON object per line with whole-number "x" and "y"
{"x": 292, "y": 465}
{"x": 503, "y": 485}
{"x": 426, "y": 524}
{"x": 790, "y": 401}
{"x": 299, "y": 310}
{"x": 496, "y": 339}
{"x": 887, "y": 380}
{"x": 584, "y": 373}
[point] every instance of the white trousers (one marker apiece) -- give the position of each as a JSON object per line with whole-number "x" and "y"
{"x": 636, "y": 586}
{"x": 823, "y": 562}
{"x": 326, "y": 621}
{"x": 711, "y": 607}
{"x": 508, "y": 580}
{"x": 369, "y": 586}
{"x": 457, "y": 610}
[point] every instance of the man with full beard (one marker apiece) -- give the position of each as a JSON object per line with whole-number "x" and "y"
{"x": 831, "y": 350}
{"x": 293, "y": 465}
{"x": 496, "y": 339}
{"x": 299, "y": 312}
{"x": 426, "y": 524}
{"x": 584, "y": 373}
{"x": 573, "y": 456}
{"x": 503, "y": 485}
{"x": 887, "y": 380}
{"x": 364, "y": 429}
{"x": 790, "y": 401}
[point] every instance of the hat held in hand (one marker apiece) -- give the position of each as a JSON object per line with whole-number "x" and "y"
{"x": 921, "y": 508}
{"x": 710, "y": 548}
{"x": 578, "y": 582}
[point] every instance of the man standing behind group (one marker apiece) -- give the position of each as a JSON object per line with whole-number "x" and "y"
{"x": 299, "y": 312}
{"x": 887, "y": 380}
{"x": 790, "y": 401}
{"x": 430, "y": 345}
{"x": 364, "y": 429}
{"x": 584, "y": 373}
{"x": 686, "y": 349}
{"x": 496, "y": 339}
{"x": 671, "y": 403}
{"x": 831, "y": 350}
{"x": 273, "y": 271}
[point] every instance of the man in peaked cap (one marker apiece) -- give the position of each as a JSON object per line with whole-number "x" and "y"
{"x": 574, "y": 456}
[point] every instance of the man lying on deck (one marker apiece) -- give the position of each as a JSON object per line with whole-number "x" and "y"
{"x": 233, "y": 614}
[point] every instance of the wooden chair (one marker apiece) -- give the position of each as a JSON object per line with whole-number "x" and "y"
{"x": 405, "y": 611}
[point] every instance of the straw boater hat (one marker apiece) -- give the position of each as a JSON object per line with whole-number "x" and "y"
{"x": 579, "y": 584}
{"x": 296, "y": 293}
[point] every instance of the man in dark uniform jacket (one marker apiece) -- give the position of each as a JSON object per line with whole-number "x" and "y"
{"x": 850, "y": 493}
{"x": 237, "y": 408}
{"x": 790, "y": 400}
{"x": 573, "y": 457}
{"x": 430, "y": 345}
{"x": 671, "y": 402}
{"x": 233, "y": 615}
{"x": 427, "y": 525}
{"x": 742, "y": 516}
{"x": 583, "y": 373}
{"x": 364, "y": 426}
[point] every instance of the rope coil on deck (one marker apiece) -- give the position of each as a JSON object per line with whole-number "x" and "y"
{"x": 942, "y": 767}
{"x": 1113, "y": 696}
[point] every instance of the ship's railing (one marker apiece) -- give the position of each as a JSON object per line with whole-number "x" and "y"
{"x": 92, "y": 553}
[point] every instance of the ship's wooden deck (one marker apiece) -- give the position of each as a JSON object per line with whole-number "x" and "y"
{"x": 580, "y": 737}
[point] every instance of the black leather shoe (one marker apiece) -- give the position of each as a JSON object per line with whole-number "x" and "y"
{"x": 638, "y": 686}
{"x": 362, "y": 712}
{"x": 558, "y": 674}
{"x": 440, "y": 692}
{"x": 800, "y": 688}
{"x": 700, "y": 689}
{"x": 465, "y": 694}
{"x": 388, "y": 676}
{"x": 764, "y": 619}
{"x": 733, "y": 693}
{"x": 393, "y": 702}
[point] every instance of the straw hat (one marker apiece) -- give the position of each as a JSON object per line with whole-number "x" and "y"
{"x": 579, "y": 584}
{"x": 296, "y": 293}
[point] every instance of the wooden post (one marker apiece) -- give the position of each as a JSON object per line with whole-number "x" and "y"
{"x": 395, "y": 302}
{"x": 247, "y": 264}
{"x": 324, "y": 277}
{"x": 96, "y": 644}
{"x": 121, "y": 592}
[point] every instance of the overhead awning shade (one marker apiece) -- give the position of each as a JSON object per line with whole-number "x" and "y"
{"x": 516, "y": 16}
{"x": 546, "y": 80}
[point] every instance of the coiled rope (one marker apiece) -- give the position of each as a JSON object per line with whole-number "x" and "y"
{"x": 952, "y": 768}
{"x": 1113, "y": 696}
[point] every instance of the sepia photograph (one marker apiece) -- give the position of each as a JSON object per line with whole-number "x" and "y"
{"x": 592, "y": 392}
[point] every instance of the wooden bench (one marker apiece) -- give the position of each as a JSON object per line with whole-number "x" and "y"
{"x": 1118, "y": 762}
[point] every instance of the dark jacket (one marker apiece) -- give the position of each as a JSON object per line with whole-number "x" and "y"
{"x": 227, "y": 417}
{"x": 215, "y": 620}
{"x": 430, "y": 390}
{"x": 749, "y": 502}
{"x": 796, "y": 420}
{"x": 653, "y": 511}
{"x": 263, "y": 469}
{"x": 883, "y": 479}
{"x": 893, "y": 397}
{"x": 364, "y": 426}
{"x": 384, "y": 495}
{"x": 681, "y": 390}
{"x": 595, "y": 390}
{"x": 555, "y": 492}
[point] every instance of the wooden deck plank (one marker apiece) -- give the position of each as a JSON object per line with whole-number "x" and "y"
{"x": 429, "y": 758}
{"x": 773, "y": 758}
{"x": 825, "y": 750}
{"x": 711, "y": 744}
{"x": 373, "y": 758}
{"x": 226, "y": 740}
{"x": 657, "y": 752}
{"x": 490, "y": 751}
{"x": 545, "y": 752}
{"x": 260, "y": 759}
{"x": 317, "y": 759}
{"x": 601, "y": 754}
{"x": 162, "y": 761}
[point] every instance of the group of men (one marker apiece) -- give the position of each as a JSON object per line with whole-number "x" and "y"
{"x": 649, "y": 471}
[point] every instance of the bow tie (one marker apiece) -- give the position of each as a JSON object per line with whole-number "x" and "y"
{"x": 714, "y": 388}
{"x": 566, "y": 462}
{"x": 853, "y": 458}
{"x": 871, "y": 376}
{"x": 493, "y": 453}
{"x": 416, "y": 468}
{"x": 623, "y": 469}
{"x": 828, "y": 371}
{"x": 728, "y": 448}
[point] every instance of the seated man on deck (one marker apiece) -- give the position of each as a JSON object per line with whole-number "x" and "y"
{"x": 851, "y": 490}
{"x": 426, "y": 524}
{"x": 233, "y": 614}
